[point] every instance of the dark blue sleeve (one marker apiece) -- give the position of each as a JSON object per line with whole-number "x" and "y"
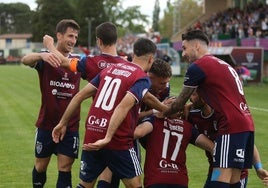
{"x": 195, "y": 134}
{"x": 96, "y": 81}
{"x": 140, "y": 87}
{"x": 81, "y": 67}
{"x": 194, "y": 76}
{"x": 40, "y": 64}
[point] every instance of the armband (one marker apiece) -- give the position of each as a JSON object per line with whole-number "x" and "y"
{"x": 73, "y": 64}
{"x": 257, "y": 165}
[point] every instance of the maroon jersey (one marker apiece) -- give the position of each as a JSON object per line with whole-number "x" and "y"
{"x": 113, "y": 83}
{"x": 58, "y": 86}
{"x": 208, "y": 125}
{"x": 90, "y": 66}
{"x": 219, "y": 85}
{"x": 165, "y": 161}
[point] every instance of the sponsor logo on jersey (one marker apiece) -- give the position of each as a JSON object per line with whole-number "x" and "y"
{"x": 100, "y": 122}
{"x": 61, "y": 84}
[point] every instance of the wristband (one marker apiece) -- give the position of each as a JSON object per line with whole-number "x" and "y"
{"x": 257, "y": 165}
{"x": 73, "y": 64}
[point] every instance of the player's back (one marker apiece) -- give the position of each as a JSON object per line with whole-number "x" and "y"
{"x": 90, "y": 66}
{"x": 223, "y": 91}
{"x": 113, "y": 84}
{"x": 166, "y": 152}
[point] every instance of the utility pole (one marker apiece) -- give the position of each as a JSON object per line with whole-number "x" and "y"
{"x": 89, "y": 25}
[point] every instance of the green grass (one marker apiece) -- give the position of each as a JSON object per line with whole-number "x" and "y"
{"x": 19, "y": 106}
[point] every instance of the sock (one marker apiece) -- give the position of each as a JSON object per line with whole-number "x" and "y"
{"x": 103, "y": 184}
{"x": 115, "y": 181}
{"x": 236, "y": 185}
{"x": 218, "y": 184}
{"x": 80, "y": 186}
{"x": 38, "y": 178}
{"x": 64, "y": 180}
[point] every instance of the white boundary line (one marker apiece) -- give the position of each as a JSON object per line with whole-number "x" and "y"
{"x": 259, "y": 109}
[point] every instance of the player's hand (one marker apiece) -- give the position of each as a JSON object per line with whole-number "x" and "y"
{"x": 48, "y": 41}
{"x": 265, "y": 181}
{"x": 52, "y": 59}
{"x": 96, "y": 145}
{"x": 262, "y": 173}
{"x": 58, "y": 133}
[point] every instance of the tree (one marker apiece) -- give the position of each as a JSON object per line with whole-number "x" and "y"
{"x": 48, "y": 14}
{"x": 188, "y": 11}
{"x": 14, "y": 18}
{"x": 156, "y": 16}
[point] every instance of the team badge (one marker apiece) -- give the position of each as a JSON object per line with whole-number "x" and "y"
{"x": 38, "y": 147}
{"x": 250, "y": 56}
{"x": 102, "y": 64}
{"x": 83, "y": 165}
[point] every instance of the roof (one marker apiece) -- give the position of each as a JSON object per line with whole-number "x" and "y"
{"x": 16, "y": 36}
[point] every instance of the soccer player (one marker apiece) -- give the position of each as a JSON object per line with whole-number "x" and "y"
{"x": 159, "y": 74}
{"x": 90, "y": 66}
{"x": 219, "y": 85}
{"x": 57, "y": 86}
{"x": 166, "y": 143}
{"x": 205, "y": 119}
{"x": 112, "y": 118}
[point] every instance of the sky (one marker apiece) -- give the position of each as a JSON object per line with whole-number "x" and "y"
{"x": 146, "y": 8}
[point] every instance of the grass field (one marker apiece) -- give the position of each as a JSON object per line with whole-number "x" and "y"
{"x": 19, "y": 106}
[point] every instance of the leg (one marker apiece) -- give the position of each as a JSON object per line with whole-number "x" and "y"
{"x": 105, "y": 179}
{"x": 64, "y": 167}
{"x": 39, "y": 172}
{"x": 132, "y": 182}
{"x": 43, "y": 152}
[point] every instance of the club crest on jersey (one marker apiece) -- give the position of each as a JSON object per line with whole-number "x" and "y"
{"x": 65, "y": 77}
{"x": 102, "y": 64}
{"x": 38, "y": 147}
{"x": 250, "y": 56}
{"x": 83, "y": 165}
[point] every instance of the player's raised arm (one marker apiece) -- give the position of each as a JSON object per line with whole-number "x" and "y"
{"x": 178, "y": 104}
{"x": 48, "y": 42}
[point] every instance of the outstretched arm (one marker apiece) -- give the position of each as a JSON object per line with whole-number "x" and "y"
{"x": 32, "y": 58}
{"x": 205, "y": 143}
{"x": 153, "y": 102}
{"x": 261, "y": 173}
{"x": 178, "y": 104}
{"x": 48, "y": 42}
{"x": 143, "y": 129}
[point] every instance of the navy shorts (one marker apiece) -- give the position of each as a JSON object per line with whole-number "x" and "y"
{"x": 234, "y": 150}
{"x": 45, "y": 146}
{"x": 123, "y": 163}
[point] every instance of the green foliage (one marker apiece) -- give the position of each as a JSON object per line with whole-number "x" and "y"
{"x": 19, "y": 107}
{"x": 14, "y": 18}
{"x": 48, "y": 14}
{"x": 18, "y": 18}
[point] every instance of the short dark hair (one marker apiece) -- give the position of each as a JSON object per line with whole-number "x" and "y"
{"x": 161, "y": 68}
{"x": 144, "y": 46}
{"x": 65, "y": 23}
{"x": 195, "y": 34}
{"x": 107, "y": 32}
